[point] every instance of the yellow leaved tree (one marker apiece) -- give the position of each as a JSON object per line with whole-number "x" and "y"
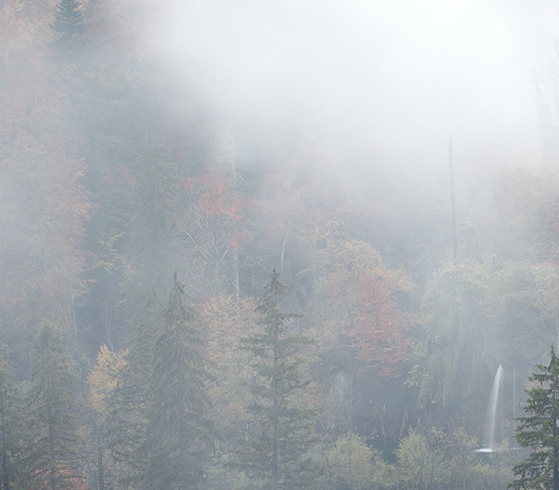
{"x": 103, "y": 379}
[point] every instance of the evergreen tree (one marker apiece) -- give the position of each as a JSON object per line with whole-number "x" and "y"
{"x": 69, "y": 26}
{"x": 9, "y": 428}
{"x": 52, "y": 437}
{"x": 178, "y": 431}
{"x": 154, "y": 206}
{"x": 539, "y": 430}
{"x": 127, "y": 404}
{"x": 276, "y": 449}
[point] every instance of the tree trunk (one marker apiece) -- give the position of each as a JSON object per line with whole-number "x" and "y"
{"x": 51, "y": 451}
{"x": 275, "y": 424}
{"x": 5, "y": 476}
{"x": 100, "y": 465}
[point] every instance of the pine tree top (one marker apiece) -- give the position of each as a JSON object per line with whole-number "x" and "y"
{"x": 69, "y": 24}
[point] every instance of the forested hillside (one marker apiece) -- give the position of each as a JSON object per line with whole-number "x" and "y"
{"x": 193, "y": 300}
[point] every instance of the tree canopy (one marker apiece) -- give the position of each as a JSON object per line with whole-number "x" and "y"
{"x": 538, "y": 430}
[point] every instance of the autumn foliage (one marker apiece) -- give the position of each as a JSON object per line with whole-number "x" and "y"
{"x": 378, "y": 334}
{"x": 112, "y": 179}
{"x": 70, "y": 482}
{"x": 214, "y": 196}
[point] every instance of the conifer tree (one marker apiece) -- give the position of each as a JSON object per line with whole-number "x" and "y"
{"x": 51, "y": 432}
{"x": 178, "y": 430}
{"x": 9, "y": 428}
{"x": 127, "y": 404}
{"x": 539, "y": 430}
{"x": 276, "y": 449}
{"x": 151, "y": 231}
{"x": 69, "y": 26}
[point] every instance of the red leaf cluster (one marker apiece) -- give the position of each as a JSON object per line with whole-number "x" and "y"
{"x": 377, "y": 334}
{"x": 214, "y": 196}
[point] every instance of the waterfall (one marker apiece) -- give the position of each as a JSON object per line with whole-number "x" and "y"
{"x": 492, "y": 414}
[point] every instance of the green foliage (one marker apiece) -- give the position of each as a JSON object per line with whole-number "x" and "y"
{"x": 10, "y": 428}
{"x": 455, "y": 328}
{"x": 178, "y": 430}
{"x": 539, "y": 430}
{"x": 276, "y": 449}
{"x": 468, "y": 469}
{"x": 526, "y": 306}
{"x": 354, "y": 466}
{"x": 52, "y": 438}
{"x": 421, "y": 462}
{"x": 128, "y": 403}
{"x": 435, "y": 459}
{"x": 157, "y": 425}
{"x": 154, "y": 210}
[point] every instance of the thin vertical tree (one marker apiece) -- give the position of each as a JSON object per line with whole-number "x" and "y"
{"x": 539, "y": 430}
{"x": 276, "y": 448}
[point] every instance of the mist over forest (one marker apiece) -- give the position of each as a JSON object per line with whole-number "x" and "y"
{"x": 277, "y": 245}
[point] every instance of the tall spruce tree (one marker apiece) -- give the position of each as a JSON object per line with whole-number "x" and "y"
{"x": 178, "y": 431}
{"x": 539, "y": 430}
{"x": 51, "y": 434}
{"x": 275, "y": 452}
{"x": 128, "y": 403}
{"x": 152, "y": 226}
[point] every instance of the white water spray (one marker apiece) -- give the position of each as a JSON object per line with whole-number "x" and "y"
{"x": 492, "y": 414}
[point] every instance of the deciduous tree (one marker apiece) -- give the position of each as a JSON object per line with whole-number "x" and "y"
{"x": 354, "y": 466}
{"x": 378, "y": 332}
{"x": 224, "y": 322}
{"x": 213, "y": 229}
{"x": 102, "y": 380}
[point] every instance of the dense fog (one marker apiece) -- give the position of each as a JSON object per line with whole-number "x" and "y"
{"x": 394, "y": 79}
{"x": 286, "y": 245}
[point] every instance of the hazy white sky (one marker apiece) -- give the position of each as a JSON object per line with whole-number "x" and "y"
{"x": 402, "y": 73}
